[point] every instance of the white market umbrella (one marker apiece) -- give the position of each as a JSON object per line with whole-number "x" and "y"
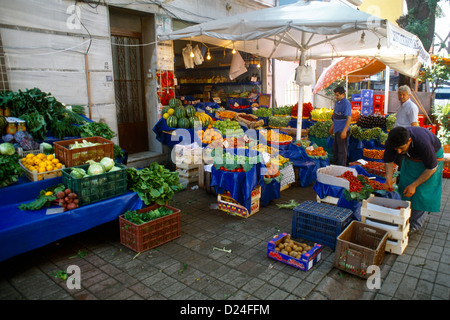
{"x": 313, "y": 29}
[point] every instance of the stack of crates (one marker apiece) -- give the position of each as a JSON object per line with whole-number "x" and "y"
{"x": 187, "y": 161}
{"x": 320, "y": 222}
{"x": 391, "y": 215}
{"x": 356, "y": 102}
{"x": 378, "y": 104}
{"x": 366, "y": 102}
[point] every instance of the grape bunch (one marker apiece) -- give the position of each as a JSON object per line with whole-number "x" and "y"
{"x": 67, "y": 199}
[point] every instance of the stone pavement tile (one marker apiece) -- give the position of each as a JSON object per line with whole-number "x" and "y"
{"x": 213, "y": 289}
{"x": 125, "y": 279}
{"x": 431, "y": 264}
{"x": 84, "y": 295}
{"x": 95, "y": 276}
{"x": 399, "y": 267}
{"x": 106, "y": 288}
{"x": 304, "y": 289}
{"x": 413, "y": 270}
{"x": 122, "y": 295}
{"x": 264, "y": 291}
{"x": 184, "y": 294}
{"x": 390, "y": 284}
{"x": 425, "y": 287}
{"x": 278, "y": 294}
{"x": 278, "y": 279}
{"x": 443, "y": 279}
{"x": 171, "y": 289}
{"x": 290, "y": 284}
{"x": 440, "y": 292}
{"x": 252, "y": 285}
{"x": 428, "y": 275}
{"x": 110, "y": 269}
{"x": 142, "y": 290}
{"x": 406, "y": 288}
{"x": 444, "y": 268}
{"x": 8, "y": 292}
{"x": 163, "y": 284}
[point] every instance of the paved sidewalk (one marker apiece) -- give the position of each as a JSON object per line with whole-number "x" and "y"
{"x": 189, "y": 268}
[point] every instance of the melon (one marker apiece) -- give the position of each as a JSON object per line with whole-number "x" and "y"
{"x": 183, "y": 123}
{"x": 172, "y": 121}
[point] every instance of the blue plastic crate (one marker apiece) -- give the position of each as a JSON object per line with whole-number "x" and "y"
{"x": 366, "y": 93}
{"x": 320, "y": 222}
{"x": 366, "y": 111}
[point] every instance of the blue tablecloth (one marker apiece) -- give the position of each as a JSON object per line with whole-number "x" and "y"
{"x": 170, "y": 140}
{"x": 306, "y": 123}
{"x": 22, "y": 231}
{"x": 356, "y": 148}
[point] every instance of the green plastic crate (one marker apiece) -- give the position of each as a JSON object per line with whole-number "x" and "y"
{"x": 96, "y": 188}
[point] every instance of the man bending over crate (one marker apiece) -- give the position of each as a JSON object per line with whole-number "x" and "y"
{"x": 421, "y": 170}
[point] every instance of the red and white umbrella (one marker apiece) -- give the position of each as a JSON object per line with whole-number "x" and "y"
{"x": 340, "y": 69}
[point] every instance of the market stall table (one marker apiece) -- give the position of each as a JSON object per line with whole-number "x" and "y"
{"x": 22, "y": 231}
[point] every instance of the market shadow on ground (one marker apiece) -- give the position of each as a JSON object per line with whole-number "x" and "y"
{"x": 217, "y": 257}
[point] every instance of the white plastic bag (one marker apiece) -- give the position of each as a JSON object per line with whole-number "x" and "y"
{"x": 304, "y": 75}
{"x": 188, "y": 60}
{"x": 198, "y": 57}
{"x": 237, "y": 66}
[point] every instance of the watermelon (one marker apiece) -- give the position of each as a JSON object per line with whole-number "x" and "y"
{"x": 3, "y": 125}
{"x": 190, "y": 111}
{"x": 180, "y": 112}
{"x": 192, "y": 121}
{"x": 172, "y": 121}
{"x": 173, "y": 103}
{"x": 165, "y": 110}
{"x": 183, "y": 123}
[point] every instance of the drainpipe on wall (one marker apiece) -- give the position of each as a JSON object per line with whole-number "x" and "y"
{"x": 273, "y": 72}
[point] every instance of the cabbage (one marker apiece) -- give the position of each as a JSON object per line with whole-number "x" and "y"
{"x": 95, "y": 168}
{"x": 114, "y": 169}
{"x": 108, "y": 163}
{"x": 77, "y": 173}
{"x": 47, "y": 148}
{"x": 7, "y": 149}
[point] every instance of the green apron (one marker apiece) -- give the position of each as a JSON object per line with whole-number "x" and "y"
{"x": 428, "y": 194}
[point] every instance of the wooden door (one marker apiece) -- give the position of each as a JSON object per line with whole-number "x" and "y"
{"x": 129, "y": 91}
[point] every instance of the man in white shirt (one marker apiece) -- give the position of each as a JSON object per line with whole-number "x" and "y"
{"x": 407, "y": 114}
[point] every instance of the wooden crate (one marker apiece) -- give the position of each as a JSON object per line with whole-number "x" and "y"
{"x": 328, "y": 200}
{"x": 286, "y": 186}
{"x": 382, "y": 213}
{"x": 190, "y": 174}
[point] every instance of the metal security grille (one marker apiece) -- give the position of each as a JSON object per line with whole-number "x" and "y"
{"x": 128, "y": 79}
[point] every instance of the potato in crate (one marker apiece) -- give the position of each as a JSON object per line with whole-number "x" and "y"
{"x": 92, "y": 188}
{"x": 299, "y": 255}
{"x": 320, "y": 222}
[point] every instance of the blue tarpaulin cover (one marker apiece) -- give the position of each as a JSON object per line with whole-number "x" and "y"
{"x": 22, "y": 231}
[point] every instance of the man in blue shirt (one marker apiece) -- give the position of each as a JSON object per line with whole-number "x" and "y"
{"x": 342, "y": 116}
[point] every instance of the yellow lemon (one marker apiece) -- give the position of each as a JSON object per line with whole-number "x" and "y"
{"x": 42, "y": 164}
{"x": 50, "y": 168}
{"x": 55, "y": 161}
{"x": 50, "y": 157}
{"x": 41, "y": 156}
{"x": 30, "y": 155}
{"x": 41, "y": 169}
{"x": 59, "y": 165}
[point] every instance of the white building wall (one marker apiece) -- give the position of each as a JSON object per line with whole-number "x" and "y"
{"x": 66, "y": 50}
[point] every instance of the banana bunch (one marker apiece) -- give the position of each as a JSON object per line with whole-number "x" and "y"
{"x": 279, "y": 160}
{"x": 204, "y": 118}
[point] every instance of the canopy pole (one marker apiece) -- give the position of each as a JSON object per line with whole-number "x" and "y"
{"x": 301, "y": 96}
{"x": 387, "y": 79}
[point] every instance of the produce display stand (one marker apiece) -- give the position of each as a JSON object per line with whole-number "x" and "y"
{"x": 22, "y": 231}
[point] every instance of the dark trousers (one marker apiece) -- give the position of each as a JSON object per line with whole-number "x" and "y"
{"x": 340, "y": 150}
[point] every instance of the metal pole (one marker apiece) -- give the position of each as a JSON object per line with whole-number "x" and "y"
{"x": 301, "y": 93}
